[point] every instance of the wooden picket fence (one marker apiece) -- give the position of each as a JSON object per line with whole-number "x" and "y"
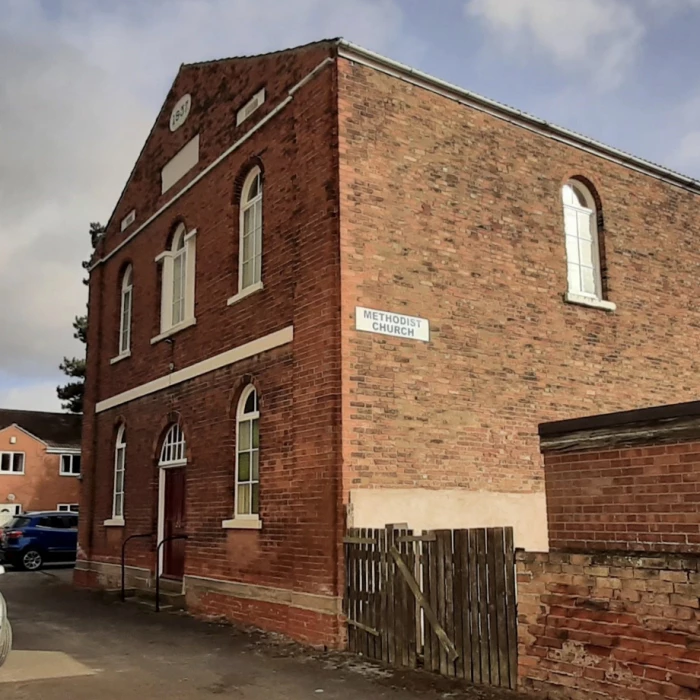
{"x": 444, "y": 600}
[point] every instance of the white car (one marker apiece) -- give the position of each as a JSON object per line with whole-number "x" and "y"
{"x": 5, "y": 629}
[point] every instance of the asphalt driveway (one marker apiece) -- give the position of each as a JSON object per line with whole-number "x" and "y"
{"x": 72, "y": 644}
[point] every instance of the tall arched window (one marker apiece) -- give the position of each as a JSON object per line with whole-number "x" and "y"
{"x": 179, "y": 277}
{"x": 582, "y": 250}
{"x": 173, "y": 451}
{"x": 177, "y": 291}
{"x": 250, "y": 248}
{"x": 119, "y": 470}
{"x": 125, "y": 315}
{"x": 248, "y": 455}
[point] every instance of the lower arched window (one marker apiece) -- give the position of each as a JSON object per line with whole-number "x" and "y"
{"x": 119, "y": 470}
{"x": 248, "y": 455}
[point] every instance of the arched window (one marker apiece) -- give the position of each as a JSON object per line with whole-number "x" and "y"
{"x": 119, "y": 469}
{"x": 173, "y": 451}
{"x": 247, "y": 455}
{"x": 179, "y": 276}
{"x": 125, "y": 315}
{"x": 582, "y": 250}
{"x": 250, "y": 248}
{"x": 177, "y": 292}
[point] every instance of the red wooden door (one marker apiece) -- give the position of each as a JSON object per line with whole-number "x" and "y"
{"x": 174, "y": 522}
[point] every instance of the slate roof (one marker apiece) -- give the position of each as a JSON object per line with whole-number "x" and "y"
{"x": 55, "y": 429}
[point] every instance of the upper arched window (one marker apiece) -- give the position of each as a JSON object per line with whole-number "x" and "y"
{"x": 125, "y": 315}
{"x": 248, "y": 455}
{"x": 119, "y": 471}
{"x": 177, "y": 290}
{"x": 582, "y": 249}
{"x": 173, "y": 451}
{"x": 179, "y": 276}
{"x": 250, "y": 248}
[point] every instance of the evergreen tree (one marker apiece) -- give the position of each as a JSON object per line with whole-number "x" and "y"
{"x": 71, "y": 393}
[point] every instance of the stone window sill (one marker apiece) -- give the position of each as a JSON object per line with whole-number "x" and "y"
{"x": 242, "y": 524}
{"x": 258, "y": 286}
{"x": 114, "y": 522}
{"x": 582, "y": 300}
{"x": 119, "y": 358}
{"x": 175, "y": 329}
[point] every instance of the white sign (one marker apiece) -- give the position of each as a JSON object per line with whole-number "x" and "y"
{"x": 180, "y": 112}
{"x": 387, "y": 323}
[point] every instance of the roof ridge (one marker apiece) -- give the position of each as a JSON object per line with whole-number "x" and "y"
{"x": 197, "y": 64}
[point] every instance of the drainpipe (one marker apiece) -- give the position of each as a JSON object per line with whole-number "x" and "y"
{"x": 95, "y": 305}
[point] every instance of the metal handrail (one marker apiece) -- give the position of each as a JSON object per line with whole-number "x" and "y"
{"x": 160, "y": 544}
{"x": 131, "y": 537}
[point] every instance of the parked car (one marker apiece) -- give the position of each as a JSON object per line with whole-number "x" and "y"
{"x": 31, "y": 539}
{"x": 5, "y": 629}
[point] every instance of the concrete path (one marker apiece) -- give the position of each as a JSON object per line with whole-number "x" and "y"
{"x": 71, "y": 644}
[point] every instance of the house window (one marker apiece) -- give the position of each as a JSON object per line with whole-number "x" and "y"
{"x": 11, "y": 462}
{"x": 125, "y": 316}
{"x": 173, "y": 451}
{"x": 70, "y": 465}
{"x": 177, "y": 291}
{"x": 119, "y": 467}
{"x": 582, "y": 251}
{"x": 250, "y": 249}
{"x": 248, "y": 455}
{"x": 68, "y": 507}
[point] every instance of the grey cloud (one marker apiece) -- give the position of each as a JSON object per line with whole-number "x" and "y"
{"x": 78, "y": 92}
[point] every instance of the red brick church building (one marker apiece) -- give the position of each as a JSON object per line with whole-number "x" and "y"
{"x": 336, "y": 291}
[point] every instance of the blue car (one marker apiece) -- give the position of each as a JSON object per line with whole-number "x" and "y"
{"x": 34, "y": 538}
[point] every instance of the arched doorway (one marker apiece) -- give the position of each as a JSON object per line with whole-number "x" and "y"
{"x": 172, "y": 493}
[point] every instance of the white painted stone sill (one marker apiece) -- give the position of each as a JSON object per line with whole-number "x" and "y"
{"x": 258, "y": 286}
{"x": 114, "y": 522}
{"x": 119, "y": 358}
{"x": 582, "y": 300}
{"x": 175, "y": 329}
{"x": 242, "y": 524}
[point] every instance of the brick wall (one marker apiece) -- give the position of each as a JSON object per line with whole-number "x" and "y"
{"x": 41, "y": 487}
{"x": 454, "y": 215}
{"x": 632, "y": 498}
{"x": 605, "y": 626}
{"x": 299, "y": 384}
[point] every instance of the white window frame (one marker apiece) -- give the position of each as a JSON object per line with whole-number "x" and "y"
{"x": 14, "y": 508}
{"x": 71, "y": 458}
{"x": 256, "y": 205}
{"x": 248, "y": 520}
{"x": 173, "y": 452}
{"x": 68, "y": 508}
{"x": 182, "y": 249}
{"x": 574, "y": 214}
{"x": 125, "y": 312}
{"x": 119, "y": 469}
{"x": 4, "y": 472}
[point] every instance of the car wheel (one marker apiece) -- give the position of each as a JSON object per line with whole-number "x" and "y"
{"x": 31, "y": 560}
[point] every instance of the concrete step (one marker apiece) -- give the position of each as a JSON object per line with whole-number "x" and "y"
{"x": 168, "y": 585}
{"x": 116, "y": 593}
{"x": 151, "y": 605}
{"x": 175, "y": 601}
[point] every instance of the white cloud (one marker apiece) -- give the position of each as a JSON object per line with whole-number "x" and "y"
{"x": 78, "y": 92}
{"x": 598, "y": 37}
{"x": 686, "y": 156}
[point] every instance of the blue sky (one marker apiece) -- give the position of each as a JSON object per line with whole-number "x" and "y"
{"x": 82, "y": 81}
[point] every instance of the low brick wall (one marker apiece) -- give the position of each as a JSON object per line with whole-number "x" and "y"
{"x": 609, "y": 626}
